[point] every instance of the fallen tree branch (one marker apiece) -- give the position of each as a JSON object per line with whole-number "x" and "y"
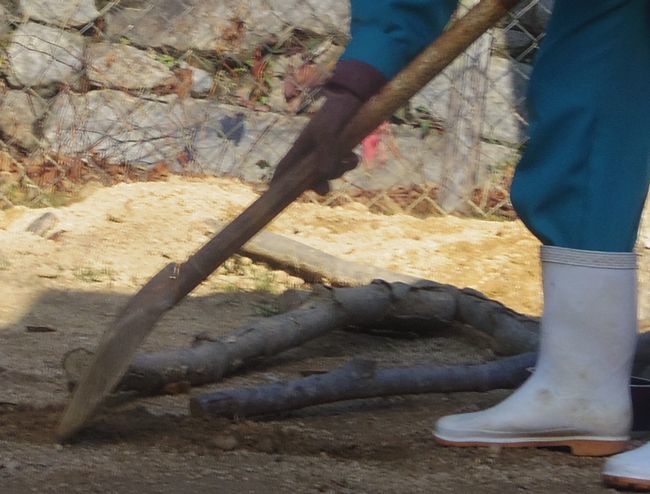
{"x": 327, "y": 310}
{"x": 425, "y": 304}
{"x": 380, "y": 303}
{"x": 314, "y": 265}
{"x": 513, "y": 333}
{"x": 361, "y": 379}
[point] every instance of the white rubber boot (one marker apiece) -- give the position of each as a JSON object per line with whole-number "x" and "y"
{"x": 630, "y": 470}
{"x": 578, "y": 395}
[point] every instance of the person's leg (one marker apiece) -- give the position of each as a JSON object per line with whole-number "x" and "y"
{"x": 580, "y": 188}
{"x": 583, "y": 178}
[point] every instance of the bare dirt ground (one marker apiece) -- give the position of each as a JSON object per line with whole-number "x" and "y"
{"x": 99, "y": 251}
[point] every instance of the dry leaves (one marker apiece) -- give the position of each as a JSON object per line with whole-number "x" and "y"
{"x": 300, "y": 82}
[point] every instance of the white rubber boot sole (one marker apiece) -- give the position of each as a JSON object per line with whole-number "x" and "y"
{"x": 630, "y": 470}
{"x": 578, "y": 445}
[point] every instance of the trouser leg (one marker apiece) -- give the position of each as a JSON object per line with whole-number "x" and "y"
{"x": 583, "y": 177}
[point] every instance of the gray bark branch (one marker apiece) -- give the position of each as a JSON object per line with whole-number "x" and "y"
{"x": 380, "y": 303}
{"x": 361, "y": 379}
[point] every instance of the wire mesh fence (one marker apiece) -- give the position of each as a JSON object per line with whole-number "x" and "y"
{"x": 116, "y": 90}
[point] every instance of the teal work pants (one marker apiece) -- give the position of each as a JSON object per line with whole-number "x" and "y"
{"x": 583, "y": 177}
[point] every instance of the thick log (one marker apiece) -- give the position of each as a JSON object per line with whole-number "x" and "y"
{"x": 510, "y": 332}
{"x": 361, "y": 379}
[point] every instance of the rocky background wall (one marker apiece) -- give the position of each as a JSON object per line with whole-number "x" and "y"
{"x": 223, "y": 87}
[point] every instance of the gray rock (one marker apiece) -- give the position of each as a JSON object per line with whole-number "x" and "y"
{"x": 413, "y": 160}
{"x": 505, "y": 113}
{"x": 43, "y": 224}
{"x": 115, "y": 126}
{"x": 225, "y": 26}
{"x": 228, "y": 140}
{"x": 434, "y": 97}
{"x": 195, "y": 135}
{"x": 277, "y": 101}
{"x": 62, "y": 13}
{"x": 266, "y": 137}
{"x": 202, "y": 80}
{"x": 41, "y": 55}
{"x": 409, "y": 160}
{"x": 18, "y": 113}
{"x": 5, "y": 27}
{"x": 495, "y": 157}
{"x": 209, "y": 137}
{"x": 316, "y": 16}
{"x": 122, "y": 66}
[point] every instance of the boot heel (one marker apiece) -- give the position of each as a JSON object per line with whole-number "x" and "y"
{"x": 596, "y": 448}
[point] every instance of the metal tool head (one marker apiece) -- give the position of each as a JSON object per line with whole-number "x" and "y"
{"x": 117, "y": 348}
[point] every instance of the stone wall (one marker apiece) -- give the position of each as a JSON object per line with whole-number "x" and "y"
{"x": 212, "y": 85}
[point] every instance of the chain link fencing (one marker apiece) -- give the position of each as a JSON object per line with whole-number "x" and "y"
{"x": 115, "y": 90}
